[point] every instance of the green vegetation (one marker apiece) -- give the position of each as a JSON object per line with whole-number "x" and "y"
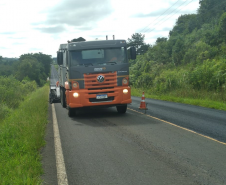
{"x": 7, "y": 66}
{"x": 80, "y": 39}
{"x": 200, "y": 98}
{"x": 137, "y": 40}
{"x": 23, "y": 117}
{"x": 22, "y": 136}
{"x": 19, "y": 77}
{"x": 189, "y": 66}
{"x": 29, "y": 66}
{"x": 12, "y": 93}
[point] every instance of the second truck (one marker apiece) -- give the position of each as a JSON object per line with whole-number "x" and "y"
{"x": 94, "y": 73}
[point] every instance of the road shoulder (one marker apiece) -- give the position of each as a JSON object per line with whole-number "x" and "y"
{"x": 48, "y": 154}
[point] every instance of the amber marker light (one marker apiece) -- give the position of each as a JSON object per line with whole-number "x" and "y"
{"x": 75, "y": 85}
{"x": 124, "y": 81}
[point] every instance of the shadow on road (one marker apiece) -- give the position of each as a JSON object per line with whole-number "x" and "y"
{"x": 108, "y": 117}
{"x": 97, "y": 112}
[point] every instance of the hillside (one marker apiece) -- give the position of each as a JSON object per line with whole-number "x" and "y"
{"x": 192, "y": 61}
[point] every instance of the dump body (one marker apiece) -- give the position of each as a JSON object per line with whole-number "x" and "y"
{"x": 94, "y": 73}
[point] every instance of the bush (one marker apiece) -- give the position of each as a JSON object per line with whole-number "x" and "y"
{"x": 199, "y": 52}
{"x": 4, "y": 111}
{"x": 12, "y": 92}
{"x": 211, "y": 75}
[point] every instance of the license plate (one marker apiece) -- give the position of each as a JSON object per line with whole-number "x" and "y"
{"x": 101, "y": 96}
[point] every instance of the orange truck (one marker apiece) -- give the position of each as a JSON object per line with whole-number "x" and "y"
{"x": 94, "y": 73}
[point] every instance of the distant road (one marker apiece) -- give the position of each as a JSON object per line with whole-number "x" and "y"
{"x": 172, "y": 144}
{"x": 54, "y": 75}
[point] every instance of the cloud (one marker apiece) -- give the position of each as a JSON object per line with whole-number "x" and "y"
{"x": 18, "y": 43}
{"x": 14, "y": 38}
{"x": 35, "y": 49}
{"x": 79, "y": 14}
{"x": 172, "y": 8}
{"x": 3, "y": 47}
{"x": 84, "y": 28}
{"x": 152, "y": 14}
{"x": 161, "y": 13}
{"x": 100, "y": 37}
{"x": 165, "y": 29}
{"x": 7, "y": 33}
{"x": 53, "y": 29}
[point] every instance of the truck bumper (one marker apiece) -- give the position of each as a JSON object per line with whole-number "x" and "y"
{"x": 88, "y": 98}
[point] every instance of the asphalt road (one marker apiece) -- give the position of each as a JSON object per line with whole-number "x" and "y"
{"x": 205, "y": 121}
{"x": 101, "y": 146}
{"x": 54, "y": 76}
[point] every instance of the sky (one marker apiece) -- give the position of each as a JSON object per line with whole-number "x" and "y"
{"x": 32, "y": 26}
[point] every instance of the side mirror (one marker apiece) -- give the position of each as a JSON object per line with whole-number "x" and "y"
{"x": 132, "y": 53}
{"x": 59, "y": 58}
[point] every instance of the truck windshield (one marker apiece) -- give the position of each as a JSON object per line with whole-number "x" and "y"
{"x": 98, "y": 56}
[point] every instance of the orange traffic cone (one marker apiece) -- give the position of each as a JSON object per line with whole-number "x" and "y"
{"x": 142, "y": 103}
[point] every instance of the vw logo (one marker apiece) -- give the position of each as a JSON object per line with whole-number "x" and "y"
{"x": 100, "y": 78}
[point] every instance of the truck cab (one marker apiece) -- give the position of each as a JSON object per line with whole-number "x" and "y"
{"x": 94, "y": 73}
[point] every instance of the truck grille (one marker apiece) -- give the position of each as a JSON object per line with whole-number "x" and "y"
{"x": 95, "y": 87}
{"x": 91, "y": 82}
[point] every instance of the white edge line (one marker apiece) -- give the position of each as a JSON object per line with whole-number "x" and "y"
{"x": 60, "y": 165}
{"x": 172, "y": 124}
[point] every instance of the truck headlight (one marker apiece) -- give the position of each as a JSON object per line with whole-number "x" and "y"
{"x": 75, "y": 95}
{"x": 125, "y": 91}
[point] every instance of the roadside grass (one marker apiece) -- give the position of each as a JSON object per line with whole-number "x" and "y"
{"x": 21, "y": 138}
{"x": 186, "y": 96}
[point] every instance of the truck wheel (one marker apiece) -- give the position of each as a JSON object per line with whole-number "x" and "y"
{"x": 122, "y": 109}
{"x": 62, "y": 98}
{"x": 71, "y": 112}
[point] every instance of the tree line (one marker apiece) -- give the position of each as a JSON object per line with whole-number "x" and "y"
{"x": 28, "y": 66}
{"x": 19, "y": 77}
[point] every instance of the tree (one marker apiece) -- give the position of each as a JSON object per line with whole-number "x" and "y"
{"x": 185, "y": 24}
{"x": 160, "y": 52}
{"x": 222, "y": 26}
{"x": 43, "y": 59}
{"x": 34, "y": 66}
{"x": 29, "y": 67}
{"x": 178, "y": 51}
{"x": 210, "y": 9}
{"x": 6, "y": 70}
{"x": 77, "y": 40}
{"x": 160, "y": 39}
{"x": 137, "y": 40}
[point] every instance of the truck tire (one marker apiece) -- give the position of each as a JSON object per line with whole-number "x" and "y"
{"x": 71, "y": 112}
{"x": 50, "y": 100}
{"x": 121, "y": 109}
{"x": 62, "y": 98}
